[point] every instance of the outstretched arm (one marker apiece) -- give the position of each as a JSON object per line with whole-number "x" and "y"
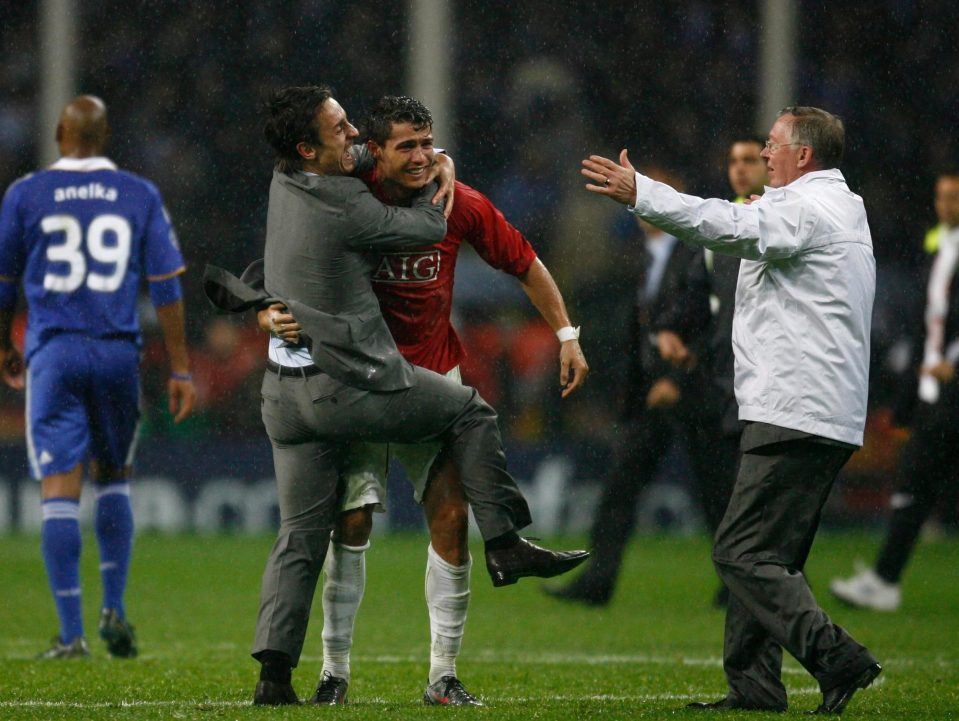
{"x": 543, "y": 292}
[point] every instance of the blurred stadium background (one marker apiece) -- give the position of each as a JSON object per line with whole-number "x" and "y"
{"x": 521, "y": 92}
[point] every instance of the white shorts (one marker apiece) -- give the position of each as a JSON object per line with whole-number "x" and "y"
{"x": 369, "y": 463}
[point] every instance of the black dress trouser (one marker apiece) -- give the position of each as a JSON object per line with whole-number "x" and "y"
{"x": 760, "y": 551}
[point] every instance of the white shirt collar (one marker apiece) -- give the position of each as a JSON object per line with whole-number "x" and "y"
{"x": 84, "y": 164}
{"x": 830, "y": 174}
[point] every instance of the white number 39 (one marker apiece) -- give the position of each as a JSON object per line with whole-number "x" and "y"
{"x": 116, "y": 253}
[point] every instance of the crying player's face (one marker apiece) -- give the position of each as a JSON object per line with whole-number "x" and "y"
{"x": 407, "y": 155}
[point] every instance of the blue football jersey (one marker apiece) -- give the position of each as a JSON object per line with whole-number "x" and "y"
{"x": 82, "y": 235}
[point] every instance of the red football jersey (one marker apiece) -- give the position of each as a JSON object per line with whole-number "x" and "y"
{"x": 415, "y": 287}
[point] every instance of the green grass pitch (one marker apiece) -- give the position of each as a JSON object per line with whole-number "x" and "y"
{"x": 656, "y": 647}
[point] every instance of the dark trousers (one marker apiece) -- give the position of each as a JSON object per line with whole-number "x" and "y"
{"x": 760, "y": 551}
{"x": 639, "y": 451}
{"x": 310, "y": 421}
{"x": 927, "y": 473}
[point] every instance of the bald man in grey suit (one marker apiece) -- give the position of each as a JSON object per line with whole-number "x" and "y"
{"x": 349, "y": 382}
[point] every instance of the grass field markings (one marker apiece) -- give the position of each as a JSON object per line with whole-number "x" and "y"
{"x": 37, "y": 703}
{"x": 379, "y": 701}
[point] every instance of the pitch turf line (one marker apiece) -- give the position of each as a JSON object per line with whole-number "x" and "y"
{"x": 38, "y": 703}
{"x": 76, "y": 705}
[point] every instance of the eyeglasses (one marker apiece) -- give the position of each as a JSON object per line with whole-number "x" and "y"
{"x": 773, "y": 147}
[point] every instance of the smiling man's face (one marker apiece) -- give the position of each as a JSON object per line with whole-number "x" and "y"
{"x": 406, "y": 156}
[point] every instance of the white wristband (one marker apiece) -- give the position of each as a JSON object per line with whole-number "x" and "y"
{"x": 568, "y": 333}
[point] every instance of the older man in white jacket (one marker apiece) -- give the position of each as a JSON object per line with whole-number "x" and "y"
{"x": 801, "y": 343}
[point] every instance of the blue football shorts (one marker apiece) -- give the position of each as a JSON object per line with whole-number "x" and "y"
{"x": 83, "y": 403}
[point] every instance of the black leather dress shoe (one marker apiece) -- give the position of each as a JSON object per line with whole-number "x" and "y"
{"x": 732, "y": 703}
{"x": 579, "y": 593}
{"x": 272, "y": 693}
{"x": 508, "y": 565}
{"x": 835, "y": 699}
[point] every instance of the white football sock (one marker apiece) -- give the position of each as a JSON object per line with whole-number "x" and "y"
{"x": 448, "y": 598}
{"x": 343, "y": 586}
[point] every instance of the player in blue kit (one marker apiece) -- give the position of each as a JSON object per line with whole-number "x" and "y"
{"x": 80, "y": 236}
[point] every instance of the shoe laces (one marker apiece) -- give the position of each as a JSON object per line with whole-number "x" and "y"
{"x": 456, "y": 692}
{"x": 328, "y": 690}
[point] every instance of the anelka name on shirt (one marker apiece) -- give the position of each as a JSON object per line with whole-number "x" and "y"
{"x": 90, "y": 191}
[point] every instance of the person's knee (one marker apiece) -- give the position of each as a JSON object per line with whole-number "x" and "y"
{"x": 63, "y": 485}
{"x": 353, "y": 527}
{"x": 105, "y": 475}
{"x": 727, "y": 562}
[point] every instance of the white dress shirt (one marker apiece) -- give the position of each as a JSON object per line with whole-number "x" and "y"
{"x": 803, "y": 300}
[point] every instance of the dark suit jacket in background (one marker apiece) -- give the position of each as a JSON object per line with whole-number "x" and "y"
{"x": 681, "y": 305}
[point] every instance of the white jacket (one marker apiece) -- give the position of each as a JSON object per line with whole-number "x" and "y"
{"x": 803, "y": 300}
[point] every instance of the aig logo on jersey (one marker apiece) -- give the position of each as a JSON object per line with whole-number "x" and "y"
{"x": 415, "y": 267}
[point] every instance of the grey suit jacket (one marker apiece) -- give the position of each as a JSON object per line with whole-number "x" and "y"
{"x": 321, "y": 234}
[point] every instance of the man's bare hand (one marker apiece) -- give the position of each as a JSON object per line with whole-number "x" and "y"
{"x": 615, "y": 181}
{"x": 11, "y": 368}
{"x": 571, "y": 362}
{"x": 276, "y": 320}
{"x": 664, "y": 394}
{"x": 182, "y": 395}
{"x": 444, "y": 171}
{"x": 673, "y": 350}
{"x": 943, "y": 371}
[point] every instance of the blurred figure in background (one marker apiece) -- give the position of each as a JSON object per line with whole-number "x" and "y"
{"x": 82, "y": 236}
{"x": 927, "y": 465}
{"x": 746, "y": 171}
{"x": 663, "y": 399}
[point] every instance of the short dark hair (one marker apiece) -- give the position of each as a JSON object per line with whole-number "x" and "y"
{"x": 820, "y": 130}
{"x": 292, "y": 120}
{"x": 751, "y": 139}
{"x": 395, "y": 109}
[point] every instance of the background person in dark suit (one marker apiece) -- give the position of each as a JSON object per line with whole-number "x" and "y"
{"x": 746, "y": 171}
{"x": 663, "y": 396}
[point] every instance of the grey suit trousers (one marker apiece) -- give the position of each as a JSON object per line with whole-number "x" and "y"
{"x": 760, "y": 551}
{"x": 310, "y": 421}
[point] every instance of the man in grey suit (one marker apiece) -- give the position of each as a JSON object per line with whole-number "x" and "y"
{"x": 348, "y": 381}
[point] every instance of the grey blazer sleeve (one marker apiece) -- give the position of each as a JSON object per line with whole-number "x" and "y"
{"x": 375, "y": 226}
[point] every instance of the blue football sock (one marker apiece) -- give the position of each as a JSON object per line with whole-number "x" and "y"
{"x": 114, "y": 528}
{"x": 60, "y": 544}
